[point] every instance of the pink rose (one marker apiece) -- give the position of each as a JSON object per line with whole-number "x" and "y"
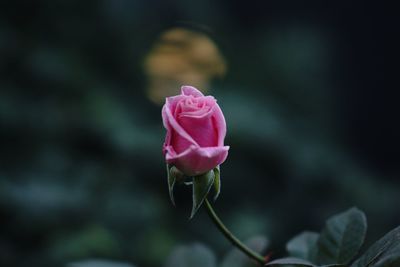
{"x": 196, "y": 130}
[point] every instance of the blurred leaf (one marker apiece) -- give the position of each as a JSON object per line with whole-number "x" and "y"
{"x": 155, "y": 245}
{"x": 236, "y": 257}
{"x": 94, "y": 240}
{"x": 290, "y": 261}
{"x": 217, "y": 182}
{"x": 301, "y": 245}
{"x": 383, "y": 253}
{"x": 98, "y": 263}
{"x": 201, "y": 186}
{"x": 342, "y": 237}
{"x": 390, "y": 261}
{"x": 195, "y": 255}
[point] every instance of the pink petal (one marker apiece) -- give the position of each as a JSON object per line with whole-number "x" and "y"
{"x": 219, "y": 124}
{"x": 164, "y": 116}
{"x": 175, "y": 133}
{"x": 201, "y": 128}
{"x": 202, "y": 107}
{"x": 190, "y": 90}
{"x": 173, "y": 101}
{"x": 197, "y": 160}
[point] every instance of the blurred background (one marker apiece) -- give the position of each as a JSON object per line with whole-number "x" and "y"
{"x": 306, "y": 89}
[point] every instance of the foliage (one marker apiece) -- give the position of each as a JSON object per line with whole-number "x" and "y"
{"x": 337, "y": 245}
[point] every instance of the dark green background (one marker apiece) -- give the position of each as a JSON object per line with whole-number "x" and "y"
{"x": 311, "y": 113}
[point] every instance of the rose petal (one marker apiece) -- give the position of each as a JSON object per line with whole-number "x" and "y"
{"x": 167, "y": 141}
{"x": 173, "y": 101}
{"x": 219, "y": 124}
{"x": 201, "y": 128}
{"x": 190, "y": 90}
{"x": 202, "y": 107}
{"x": 197, "y": 160}
{"x": 177, "y": 135}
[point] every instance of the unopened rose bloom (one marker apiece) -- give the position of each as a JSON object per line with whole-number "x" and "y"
{"x": 196, "y": 131}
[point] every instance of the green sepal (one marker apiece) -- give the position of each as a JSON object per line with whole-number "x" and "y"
{"x": 171, "y": 183}
{"x": 217, "y": 182}
{"x": 201, "y": 187}
{"x": 175, "y": 176}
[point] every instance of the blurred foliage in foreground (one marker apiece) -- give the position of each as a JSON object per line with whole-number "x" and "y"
{"x": 338, "y": 245}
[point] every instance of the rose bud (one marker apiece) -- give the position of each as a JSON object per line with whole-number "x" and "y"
{"x": 196, "y": 130}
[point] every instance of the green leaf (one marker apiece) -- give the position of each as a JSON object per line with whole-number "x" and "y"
{"x": 290, "y": 261}
{"x": 383, "y": 253}
{"x": 217, "y": 182}
{"x": 301, "y": 245}
{"x": 92, "y": 240}
{"x": 171, "y": 183}
{"x": 390, "y": 261}
{"x": 342, "y": 237}
{"x": 201, "y": 186}
{"x": 98, "y": 263}
{"x": 237, "y": 258}
{"x": 195, "y": 255}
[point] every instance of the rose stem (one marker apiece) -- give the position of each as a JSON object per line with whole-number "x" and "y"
{"x": 233, "y": 239}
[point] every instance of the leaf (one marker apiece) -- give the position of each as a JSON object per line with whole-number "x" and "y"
{"x": 171, "y": 183}
{"x": 98, "y": 263}
{"x": 217, "y": 182}
{"x": 301, "y": 245}
{"x": 342, "y": 237}
{"x": 236, "y": 257}
{"x": 290, "y": 261}
{"x": 92, "y": 240}
{"x": 383, "y": 253}
{"x": 201, "y": 186}
{"x": 195, "y": 255}
{"x": 390, "y": 261}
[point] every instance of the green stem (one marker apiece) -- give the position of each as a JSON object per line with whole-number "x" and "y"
{"x": 233, "y": 239}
